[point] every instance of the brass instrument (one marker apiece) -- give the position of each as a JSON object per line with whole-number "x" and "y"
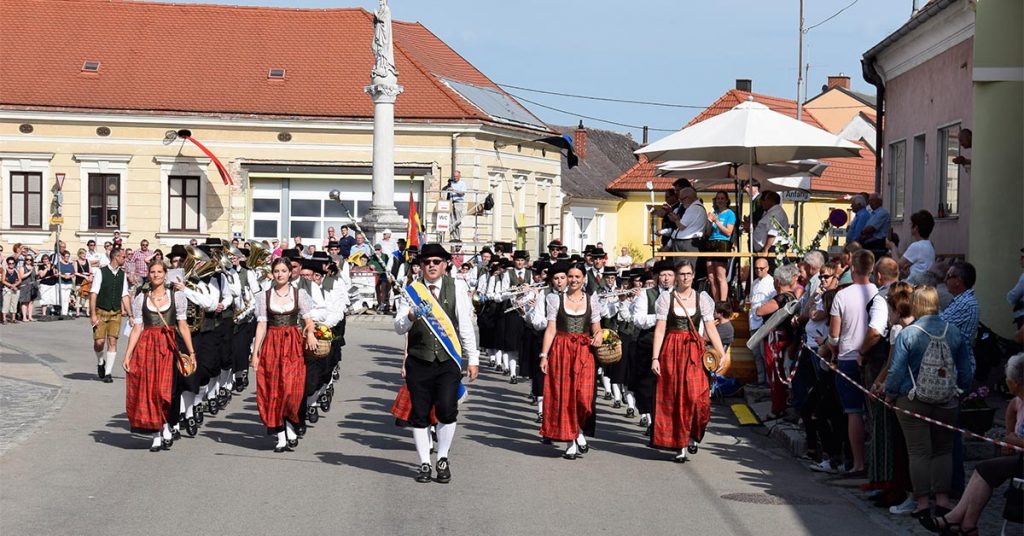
{"x": 614, "y": 293}
{"x": 196, "y": 265}
{"x": 528, "y": 288}
{"x": 258, "y": 255}
{"x": 220, "y": 260}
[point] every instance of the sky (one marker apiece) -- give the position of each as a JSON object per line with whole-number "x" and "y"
{"x": 671, "y": 51}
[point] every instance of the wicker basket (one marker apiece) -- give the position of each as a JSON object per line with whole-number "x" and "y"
{"x": 323, "y": 349}
{"x": 609, "y": 353}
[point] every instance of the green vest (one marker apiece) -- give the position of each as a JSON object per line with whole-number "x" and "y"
{"x": 514, "y": 281}
{"x": 327, "y": 283}
{"x": 109, "y": 296}
{"x": 422, "y": 343}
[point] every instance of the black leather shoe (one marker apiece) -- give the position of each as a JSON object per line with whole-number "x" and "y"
{"x": 108, "y": 379}
{"x": 539, "y": 419}
{"x": 166, "y": 443}
{"x": 568, "y": 456}
{"x": 607, "y": 396}
{"x": 617, "y": 404}
{"x": 156, "y": 449}
{"x": 278, "y": 450}
{"x": 300, "y": 430}
{"x": 513, "y": 380}
{"x": 198, "y": 412}
{"x": 213, "y": 407}
{"x": 692, "y": 448}
{"x": 679, "y": 458}
{"x": 444, "y": 473}
{"x": 175, "y": 434}
{"x": 423, "y": 475}
{"x": 191, "y": 427}
{"x": 584, "y": 448}
{"x": 292, "y": 443}
{"x": 630, "y": 412}
{"x": 100, "y": 372}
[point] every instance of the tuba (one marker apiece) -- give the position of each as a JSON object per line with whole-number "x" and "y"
{"x": 196, "y": 265}
{"x": 258, "y": 255}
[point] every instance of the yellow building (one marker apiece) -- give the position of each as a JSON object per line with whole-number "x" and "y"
{"x": 287, "y": 115}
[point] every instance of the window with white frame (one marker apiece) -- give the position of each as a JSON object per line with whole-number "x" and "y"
{"x": 897, "y": 178}
{"x": 26, "y": 200}
{"x": 949, "y": 172}
{"x": 104, "y": 201}
{"x": 103, "y": 191}
{"x": 183, "y": 203}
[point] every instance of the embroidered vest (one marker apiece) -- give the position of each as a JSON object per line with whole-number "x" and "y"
{"x": 568, "y": 323}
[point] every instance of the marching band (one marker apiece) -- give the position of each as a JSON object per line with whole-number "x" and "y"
{"x": 284, "y": 317}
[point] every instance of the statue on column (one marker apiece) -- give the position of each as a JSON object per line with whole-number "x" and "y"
{"x": 384, "y": 70}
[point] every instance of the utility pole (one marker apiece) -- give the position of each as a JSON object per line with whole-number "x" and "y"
{"x": 800, "y": 66}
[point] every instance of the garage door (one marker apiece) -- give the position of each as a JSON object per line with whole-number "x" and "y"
{"x": 290, "y": 207}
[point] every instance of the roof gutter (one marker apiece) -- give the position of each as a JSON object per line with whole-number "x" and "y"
{"x": 919, "y": 18}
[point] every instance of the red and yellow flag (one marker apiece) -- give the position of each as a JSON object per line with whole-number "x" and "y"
{"x": 413, "y": 233}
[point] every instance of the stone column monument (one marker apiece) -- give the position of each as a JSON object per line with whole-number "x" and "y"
{"x": 384, "y": 89}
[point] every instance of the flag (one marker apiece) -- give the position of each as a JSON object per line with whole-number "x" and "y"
{"x": 563, "y": 142}
{"x": 413, "y": 235}
{"x": 223, "y": 171}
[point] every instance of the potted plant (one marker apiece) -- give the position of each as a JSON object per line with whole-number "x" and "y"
{"x": 975, "y": 414}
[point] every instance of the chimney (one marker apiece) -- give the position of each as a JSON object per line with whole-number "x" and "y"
{"x": 840, "y": 80}
{"x": 580, "y": 141}
{"x": 744, "y": 84}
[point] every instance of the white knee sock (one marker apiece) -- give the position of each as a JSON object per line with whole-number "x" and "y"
{"x": 616, "y": 392}
{"x": 504, "y": 359}
{"x": 540, "y": 405}
{"x": 281, "y": 439}
{"x": 289, "y": 431}
{"x": 445, "y": 435}
{"x": 167, "y": 431}
{"x": 581, "y": 440}
{"x": 606, "y": 382}
{"x": 157, "y": 440}
{"x": 571, "y": 449}
{"x": 513, "y": 363}
{"x": 421, "y": 436}
{"x": 109, "y": 362}
{"x": 630, "y": 401}
{"x": 188, "y": 401}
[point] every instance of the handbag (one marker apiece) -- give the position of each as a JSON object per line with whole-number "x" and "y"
{"x": 711, "y": 359}
{"x": 185, "y": 365}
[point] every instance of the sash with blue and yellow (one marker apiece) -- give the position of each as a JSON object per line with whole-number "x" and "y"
{"x": 440, "y": 325}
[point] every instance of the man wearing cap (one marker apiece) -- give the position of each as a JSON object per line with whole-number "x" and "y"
{"x": 244, "y": 330}
{"x": 482, "y": 261}
{"x": 609, "y": 320}
{"x": 487, "y": 319}
{"x": 431, "y": 375}
{"x": 325, "y": 309}
{"x": 642, "y": 380}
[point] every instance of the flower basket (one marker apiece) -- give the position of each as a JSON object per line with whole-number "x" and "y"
{"x": 323, "y": 342}
{"x": 610, "y": 351}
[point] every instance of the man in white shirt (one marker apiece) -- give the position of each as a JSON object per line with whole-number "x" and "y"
{"x": 457, "y": 195}
{"x": 690, "y": 224}
{"x": 96, "y": 259}
{"x": 762, "y": 290}
{"x": 431, "y": 375}
{"x": 644, "y": 318}
{"x": 387, "y": 244}
{"x": 850, "y": 319}
{"x": 108, "y": 302}
{"x": 767, "y": 233}
{"x": 920, "y": 254}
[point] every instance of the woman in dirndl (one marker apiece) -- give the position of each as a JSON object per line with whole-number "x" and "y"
{"x": 574, "y": 324}
{"x": 277, "y": 356}
{"x": 682, "y": 401}
{"x": 149, "y": 362}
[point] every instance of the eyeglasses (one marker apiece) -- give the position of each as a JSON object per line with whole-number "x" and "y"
{"x": 826, "y": 277}
{"x": 432, "y": 262}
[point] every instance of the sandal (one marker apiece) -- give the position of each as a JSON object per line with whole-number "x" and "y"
{"x": 938, "y": 524}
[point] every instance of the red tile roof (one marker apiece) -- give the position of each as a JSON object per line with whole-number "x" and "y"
{"x": 214, "y": 59}
{"x": 845, "y": 175}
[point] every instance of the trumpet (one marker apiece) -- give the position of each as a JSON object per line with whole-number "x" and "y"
{"x": 527, "y": 288}
{"x": 615, "y": 293}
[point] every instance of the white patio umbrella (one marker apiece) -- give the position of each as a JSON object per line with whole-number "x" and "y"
{"x": 705, "y": 174}
{"x": 750, "y": 133}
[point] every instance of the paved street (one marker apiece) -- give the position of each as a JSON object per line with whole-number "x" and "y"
{"x": 79, "y": 471}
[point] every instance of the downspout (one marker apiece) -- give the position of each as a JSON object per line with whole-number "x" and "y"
{"x": 454, "y": 145}
{"x": 872, "y": 76}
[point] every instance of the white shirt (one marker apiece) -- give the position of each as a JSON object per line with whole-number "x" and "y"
{"x": 921, "y": 256}
{"x": 464, "y": 310}
{"x": 762, "y": 291}
{"x": 98, "y": 257}
{"x": 693, "y": 221}
{"x": 388, "y": 246}
{"x": 851, "y": 305}
{"x": 766, "y": 228}
{"x": 97, "y": 281}
{"x": 641, "y": 318}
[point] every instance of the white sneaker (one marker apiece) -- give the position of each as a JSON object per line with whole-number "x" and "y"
{"x": 825, "y": 466}
{"x": 904, "y": 508}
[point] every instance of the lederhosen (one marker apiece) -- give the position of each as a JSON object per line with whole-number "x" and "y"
{"x": 208, "y": 350}
{"x": 513, "y": 325}
{"x": 529, "y": 351}
{"x": 431, "y": 376}
{"x": 244, "y": 331}
{"x": 226, "y": 327}
{"x": 641, "y": 379}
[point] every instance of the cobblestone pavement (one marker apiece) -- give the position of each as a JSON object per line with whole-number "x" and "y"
{"x": 31, "y": 392}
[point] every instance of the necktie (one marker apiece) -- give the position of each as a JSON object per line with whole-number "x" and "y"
{"x": 433, "y": 291}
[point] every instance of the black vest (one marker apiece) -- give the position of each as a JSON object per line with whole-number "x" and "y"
{"x": 567, "y": 323}
{"x": 151, "y": 318}
{"x": 289, "y": 318}
{"x": 646, "y": 336}
{"x": 422, "y": 344}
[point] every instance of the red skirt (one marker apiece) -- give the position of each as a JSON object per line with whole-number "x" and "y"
{"x": 402, "y": 408}
{"x": 682, "y": 403}
{"x": 281, "y": 378}
{"x": 568, "y": 387}
{"x": 150, "y": 380}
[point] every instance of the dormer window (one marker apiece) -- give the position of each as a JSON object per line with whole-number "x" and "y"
{"x": 91, "y": 66}
{"x": 276, "y": 74}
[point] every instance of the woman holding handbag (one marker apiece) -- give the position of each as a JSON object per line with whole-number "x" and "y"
{"x": 151, "y": 358}
{"x": 682, "y": 401}
{"x": 277, "y": 357}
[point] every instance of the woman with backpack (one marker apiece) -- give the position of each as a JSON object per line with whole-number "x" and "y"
{"x": 930, "y": 366}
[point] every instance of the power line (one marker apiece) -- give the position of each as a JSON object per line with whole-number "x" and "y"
{"x": 605, "y": 99}
{"x": 629, "y": 101}
{"x": 834, "y": 15}
{"x": 592, "y": 118}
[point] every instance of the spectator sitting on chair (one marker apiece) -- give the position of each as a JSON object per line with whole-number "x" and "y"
{"x": 876, "y": 231}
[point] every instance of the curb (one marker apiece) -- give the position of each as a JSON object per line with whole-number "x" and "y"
{"x": 61, "y": 398}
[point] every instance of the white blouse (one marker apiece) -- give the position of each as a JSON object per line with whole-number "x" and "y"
{"x": 707, "y": 307}
{"x": 552, "y": 308}
{"x": 284, "y": 305}
{"x": 180, "y": 306}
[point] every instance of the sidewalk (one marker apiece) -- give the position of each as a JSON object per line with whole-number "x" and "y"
{"x": 31, "y": 389}
{"x": 791, "y": 437}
